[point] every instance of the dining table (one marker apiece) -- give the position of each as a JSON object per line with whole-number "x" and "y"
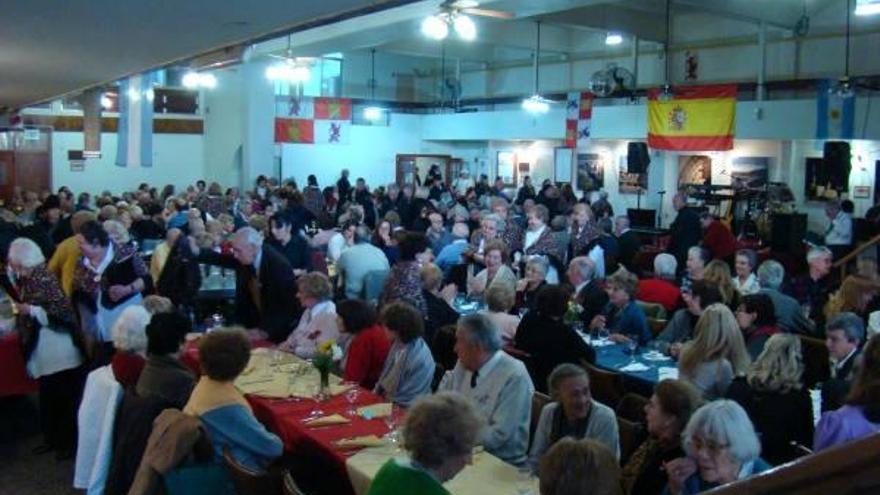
{"x": 642, "y": 369}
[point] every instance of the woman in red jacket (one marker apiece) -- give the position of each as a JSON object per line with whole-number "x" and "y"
{"x": 366, "y": 352}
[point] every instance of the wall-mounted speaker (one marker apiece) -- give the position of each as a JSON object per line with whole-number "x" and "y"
{"x": 637, "y": 158}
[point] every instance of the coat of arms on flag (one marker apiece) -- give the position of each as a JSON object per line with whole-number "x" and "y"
{"x": 309, "y": 120}
{"x": 579, "y": 114}
{"x": 695, "y": 118}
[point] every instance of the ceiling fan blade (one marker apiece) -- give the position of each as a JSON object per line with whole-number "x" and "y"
{"x": 497, "y": 14}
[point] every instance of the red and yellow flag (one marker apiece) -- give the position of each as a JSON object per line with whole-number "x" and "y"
{"x": 332, "y": 109}
{"x": 696, "y": 118}
{"x": 294, "y": 130}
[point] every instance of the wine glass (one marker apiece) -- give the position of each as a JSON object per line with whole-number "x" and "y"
{"x": 632, "y": 346}
{"x": 351, "y": 396}
{"x": 604, "y": 333}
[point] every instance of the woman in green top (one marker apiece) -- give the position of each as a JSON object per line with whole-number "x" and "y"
{"x": 440, "y": 433}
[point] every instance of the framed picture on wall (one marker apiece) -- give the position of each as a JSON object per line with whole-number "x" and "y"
{"x": 861, "y": 192}
{"x": 562, "y": 158}
{"x": 590, "y": 172}
{"x": 694, "y": 170}
{"x": 505, "y": 167}
{"x": 749, "y": 172}
{"x": 817, "y": 181}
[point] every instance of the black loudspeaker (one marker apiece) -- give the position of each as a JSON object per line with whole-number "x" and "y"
{"x": 787, "y": 231}
{"x": 637, "y": 158}
{"x": 837, "y": 157}
{"x": 641, "y": 218}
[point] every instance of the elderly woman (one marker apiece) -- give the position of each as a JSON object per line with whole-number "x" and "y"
{"x": 130, "y": 341}
{"x": 666, "y": 414}
{"x": 746, "y": 282}
{"x": 409, "y": 368}
{"x": 582, "y": 467}
{"x": 627, "y": 320}
{"x": 583, "y": 229}
{"x": 491, "y": 226}
{"x": 716, "y": 354}
{"x": 499, "y": 300}
{"x": 539, "y": 239}
{"x": 222, "y": 410}
{"x": 573, "y": 413}
{"x": 117, "y": 232}
{"x": 496, "y": 273}
{"x": 549, "y": 341}
{"x": 438, "y": 299}
{"x": 368, "y": 348}
{"x": 773, "y": 395}
{"x": 439, "y": 434}
{"x": 697, "y": 259}
{"x": 757, "y": 320}
{"x": 662, "y": 289}
{"x": 535, "y": 278}
{"x": 109, "y": 278}
{"x": 403, "y": 282}
{"x": 860, "y": 415}
{"x": 165, "y": 376}
{"x": 318, "y": 322}
{"x": 51, "y": 342}
{"x": 722, "y": 447}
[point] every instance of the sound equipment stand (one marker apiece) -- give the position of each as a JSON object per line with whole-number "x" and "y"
{"x": 660, "y": 210}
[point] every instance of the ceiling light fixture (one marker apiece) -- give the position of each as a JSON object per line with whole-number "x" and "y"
{"x": 536, "y": 103}
{"x": 373, "y": 112}
{"x": 867, "y": 7}
{"x": 464, "y": 27}
{"x": 288, "y": 69}
{"x": 106, "y": 102}
{"x": 844, "y": 88}
{"x": 198, "y": 80}
{"x": 612, "y": 39}
{"x": 435, "y": 27}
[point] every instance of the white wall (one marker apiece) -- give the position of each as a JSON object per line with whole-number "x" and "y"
{"x": 224, "y": 128}
{"x": 177, "y": 159}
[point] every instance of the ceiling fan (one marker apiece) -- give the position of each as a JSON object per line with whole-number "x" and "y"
{"x": 454, "y": 14}
{"x": 471, "y": 7}
{"x": 291, "y": 69}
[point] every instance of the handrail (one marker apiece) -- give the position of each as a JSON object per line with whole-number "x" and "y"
{"x": 852, "y": 254}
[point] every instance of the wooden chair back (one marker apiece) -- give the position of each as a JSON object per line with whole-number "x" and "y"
{"x": 250, "y": 482}
{"x": 539, "y": 400}
{"x": 631, "y": 436}
{"x": 605, "y": 386}
{"x": 632, "y": 408}
{"x": 656, "y": 326}
{"x": 848, "y": 469}
{"x": 816, "y": 366}
{"x": 652, "y": 310}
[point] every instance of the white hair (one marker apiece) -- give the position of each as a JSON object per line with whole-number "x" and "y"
{"x": 250, "y": 236}
{"x": 724, "y": 422}
{"x": 25, "y": 252}
{"x": 817, "y": 252}
{"x": 460, "y": 230}
{"x": 117, "y": 231}
{"x": 665, "y": 266}
{"x": 129, "y": 329}
{"x": 770, "y": 274}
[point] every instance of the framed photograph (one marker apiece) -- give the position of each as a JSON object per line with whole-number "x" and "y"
{"x": 749, "y": 172}
{"x": 861, "y": 192}
{"x": 505, "y": 167}
{"x": 694, "y": 170}
{"x": 562, "y": 158}
{"x": 590, "y": 172}
{"x": 817, "y": 181}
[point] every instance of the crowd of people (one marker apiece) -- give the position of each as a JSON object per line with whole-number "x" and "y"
{"x": 385, "y": 272}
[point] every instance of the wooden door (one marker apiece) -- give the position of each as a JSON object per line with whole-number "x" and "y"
{"x": 33, "y": 171}
{"x": 406, "y": 165}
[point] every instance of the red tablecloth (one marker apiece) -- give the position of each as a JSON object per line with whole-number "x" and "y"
{"x": 314, "y": 455}
{"x": 13, "y": 376}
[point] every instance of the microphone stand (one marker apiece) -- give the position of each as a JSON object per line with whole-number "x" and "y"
{"x": 660, "y": 209}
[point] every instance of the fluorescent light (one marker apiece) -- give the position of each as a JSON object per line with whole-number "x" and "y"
{"x": 435, "y": 28}
{"x": 613, "y": 39}
{"x": 196, "y": 80}
{"x": 150, "y": 94}
{"x": 106, "y": 102}
{"x": 133, "y": 94}
{"x": 190, "y": 80}
{"x": 373, "y": 113}
{"x": 536, "y": 104}
{"x": 867, "y": 7}
{"x": 465, "y": 28}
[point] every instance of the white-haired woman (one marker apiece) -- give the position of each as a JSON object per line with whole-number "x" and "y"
{"x": 721, "y": 446}
{"x": 773, "y": 395}
{"x": 51, "y": 341}
{"x": 661, "y": 289}
{"x": 130, "y": 341}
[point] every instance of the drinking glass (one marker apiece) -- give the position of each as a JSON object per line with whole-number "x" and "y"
{"x": 632, "y": 346}
{"x": 604, "y": 333}
{"x": 351, "y": 396}
{"x": 525, "y": 481}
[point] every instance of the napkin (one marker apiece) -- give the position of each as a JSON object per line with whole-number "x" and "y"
{"x": 333, "y": 419}
{"x": 375, "y": 411}
{"x": 667, "y": 372}
{"x": 336, "y": 389}
{"x": 357, "y": 442}
{"x": 634, "y": 367}
{"x": 655, "y": 356}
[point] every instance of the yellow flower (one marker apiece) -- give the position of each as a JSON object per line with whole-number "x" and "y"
{"x": 326, "y": 347}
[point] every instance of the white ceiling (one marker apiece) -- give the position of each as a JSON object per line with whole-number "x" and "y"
{"x": 52, "y": 47}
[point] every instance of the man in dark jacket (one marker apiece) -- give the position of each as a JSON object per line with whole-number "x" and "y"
{"x": 588, "y": 292}
{"x": 264, "y": 284}
{"x": 685, "y": 231}
{"x": 629, "y": 243}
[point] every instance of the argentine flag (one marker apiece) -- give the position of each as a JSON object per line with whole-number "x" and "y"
{"x": 835, "y": 114}
{"x": 134, "y": 145}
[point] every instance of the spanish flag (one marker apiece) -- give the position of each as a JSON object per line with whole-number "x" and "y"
{"x": 696, "y": 118}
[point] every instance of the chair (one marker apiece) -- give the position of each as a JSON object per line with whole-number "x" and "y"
{"x": 652, "y": 310}
{"x": 632, "y": 408}
{"x": 250, "y": 482}
{"x": 539, "y": 400}
{"x": 605, "y": 386}
{"x": 443, "y": 347}
{"x": 289, "y": 487}
{"x": 319, "y": 262}
{"x": 656, "y": 326}
{"x": 815, "y": 354}
{"x": 374, "y": 282}
{"x": 631, "y": 436}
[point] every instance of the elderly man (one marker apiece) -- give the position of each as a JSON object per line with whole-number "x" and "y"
{"x": 438, "y": 236}
{"x": 265, "y": 290}
{"x": 588, "y": 292}
{"x": 789, "y": 315}
{"x": 839, "y": 234}
{"x": 450, "y": 255}
{"x": 357, "y": 261}
{"x": 629, "y": 243}
{"x": 844, "y": 335}
{"x": 498, "y": 385}
{"x": 812, "y": 289}
{"x": 685, "y": 231}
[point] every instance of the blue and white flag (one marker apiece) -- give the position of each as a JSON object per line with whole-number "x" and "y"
{"x": 835, "y": 113}
{"x": 134, "y": 145}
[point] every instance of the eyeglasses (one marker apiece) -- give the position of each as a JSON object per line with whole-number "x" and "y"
{"x": 710, "y": 446}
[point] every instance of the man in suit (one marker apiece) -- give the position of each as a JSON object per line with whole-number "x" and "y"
{"x": 628, "y": 243}
{"x": 789, "y": 315}
{"x": 589, "y": 292}
{"x": 265, "y": 290}
{"x": 844, "y": 335}
{"x": 685, "y": 231}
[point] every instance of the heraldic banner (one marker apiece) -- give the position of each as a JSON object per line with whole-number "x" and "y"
{"x": 312, "y": 120}
{"x": 694, "y": 118}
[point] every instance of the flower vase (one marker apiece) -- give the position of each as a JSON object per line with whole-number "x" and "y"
{"x": 324, "y": 390}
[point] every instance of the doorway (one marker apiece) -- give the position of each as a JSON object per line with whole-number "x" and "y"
{"x": 412, "y": 169}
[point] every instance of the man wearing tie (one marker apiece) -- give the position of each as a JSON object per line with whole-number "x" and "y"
{"x": 265, "y": 291}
